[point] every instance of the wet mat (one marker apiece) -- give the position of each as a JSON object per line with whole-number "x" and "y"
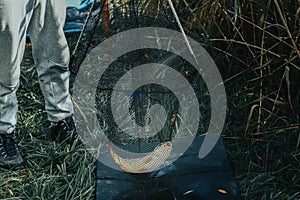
{"x": 187, "y": 178}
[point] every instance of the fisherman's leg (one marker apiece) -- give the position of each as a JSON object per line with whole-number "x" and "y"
{"x": 12, "y": 44}
{"x": 14, "y": 16}
{"x": 51, "y": 56}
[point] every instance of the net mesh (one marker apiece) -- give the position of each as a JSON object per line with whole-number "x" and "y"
{"x": 133, "y": 14}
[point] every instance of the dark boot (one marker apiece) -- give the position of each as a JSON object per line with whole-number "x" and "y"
{"x": 64, "y": 131}
{"x": 10, "y": 157}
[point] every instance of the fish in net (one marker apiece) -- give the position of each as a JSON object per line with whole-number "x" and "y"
{"x": 145, "y": 164}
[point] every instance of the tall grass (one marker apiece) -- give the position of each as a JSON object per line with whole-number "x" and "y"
{"x": 256, "y": 47}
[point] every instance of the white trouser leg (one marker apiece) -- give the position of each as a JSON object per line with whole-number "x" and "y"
{"x": 51, "y": 56}
{"x": 13, "y": 20}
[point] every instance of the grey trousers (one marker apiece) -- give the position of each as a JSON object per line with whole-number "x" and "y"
{"x": 44, "y": 20}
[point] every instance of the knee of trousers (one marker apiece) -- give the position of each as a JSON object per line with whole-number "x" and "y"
{"x": 9, "y": 79}
{"x": 7, "y": 89}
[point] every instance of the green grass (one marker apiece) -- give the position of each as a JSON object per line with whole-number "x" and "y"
{"x": 52, "y": 172}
